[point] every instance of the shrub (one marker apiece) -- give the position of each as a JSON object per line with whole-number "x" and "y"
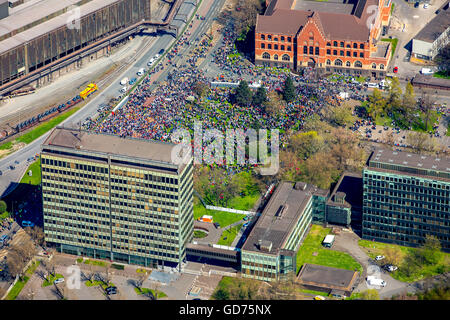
{"x": 2, "y": 206}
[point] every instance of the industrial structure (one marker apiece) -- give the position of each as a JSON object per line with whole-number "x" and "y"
{"x": 40, "y": 39}
{"x": 332, "y": 36}
{"x": 121, "y": 199}
{"x": 406, "y": 198}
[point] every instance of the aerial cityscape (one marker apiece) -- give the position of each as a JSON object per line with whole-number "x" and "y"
{"x": 225, "y": 150}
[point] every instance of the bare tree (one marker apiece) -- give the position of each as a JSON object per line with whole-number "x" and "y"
{"x": 426, "y": 104}
{"x": 16, "y": 264}
{"x": 141, "y": 279}
{"x": 59, "y": 290}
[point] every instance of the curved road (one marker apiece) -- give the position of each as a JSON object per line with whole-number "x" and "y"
{"x": 9, "y": 177}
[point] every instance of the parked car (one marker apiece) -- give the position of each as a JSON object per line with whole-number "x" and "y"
{"x": 26, "y": 223}
{"x": 1, "y": 173}
{"x": 319, "y": 298}
{"x": 217, "y": 225}
{"x": 111, "y": 290}
{"x": 59, "y": 280}
{"x": 161, "y": 51}
{"x": 132, "y": 81}
{"x": 246, "y": 224}
{"x": 390, "y": 267}
{"x": 395, "y": 69}
{"x": 141, "y": 71}
{"x": 378, "y": 258}
{"x": 426, "y": 5}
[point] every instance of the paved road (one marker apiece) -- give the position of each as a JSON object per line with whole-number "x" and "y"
{"x": 348, "y": 241}
{"x": 9, "y": 176}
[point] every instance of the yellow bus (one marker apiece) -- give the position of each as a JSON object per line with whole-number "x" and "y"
{"x": 91, "y": 88}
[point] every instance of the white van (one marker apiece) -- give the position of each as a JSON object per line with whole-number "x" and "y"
{"x": 426, "y": 71}
{"x": 124, "y": 81}
{"x": 372, "y": 85}
{"x": 140, "y": 71}
{"x": 124, "y": 89}
{"x": 376, "y": 282}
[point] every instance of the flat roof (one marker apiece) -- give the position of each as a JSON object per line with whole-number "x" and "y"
{"x": 435, "y": 27}
{"x": 280, "y": 215}
{"x": 329, "y": 277}
{"x": 351, "y": 184}
{"x": 411, "y": 160}
{"x": 110, "y": 144}
{"x": 430, "y": 80}
{"x": 336, "y": 6}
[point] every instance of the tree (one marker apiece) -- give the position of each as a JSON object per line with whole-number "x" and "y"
{"x": 370, "y": 294}
{"x": 37, "y": 234}
{"x": 377, "y": 104}
{"x": 442, "y": 59}
{"x": 2, "y": 206}
{"x": 341, "y": 115}
{"x": 426, "y": 104}
{"x": 305, "y": 144}
{"x": 221, "y": 294}
{"x": 319, "y": 170}
{"x": 274, "y": 105}
{"x": 245, "y": 14}
{"x": 394, "y": 95}
{"x": 289, "y": 90}
{"x": 420, "y": 142}
{"x": 431, "y": 250}
{"x": 393, "y": 256}
{"x": 409, "y": 104}
{"x": 260, "y": 96}
{"x": 243, "y": 95}
{"x": 200, "y": 89}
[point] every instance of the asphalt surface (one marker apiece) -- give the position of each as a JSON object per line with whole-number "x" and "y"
{"x": 19, "y": 158}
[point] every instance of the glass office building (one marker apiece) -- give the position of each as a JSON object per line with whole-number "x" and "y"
{"x": 269, "y": 253}
{"x": 120, "y": 199}
{"x": 406, "y": 197}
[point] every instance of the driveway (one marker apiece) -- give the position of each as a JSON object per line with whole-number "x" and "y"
{"x": 348, "y": 241}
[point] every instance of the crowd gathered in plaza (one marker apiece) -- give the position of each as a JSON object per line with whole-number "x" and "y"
{"x": 155, "y": 111}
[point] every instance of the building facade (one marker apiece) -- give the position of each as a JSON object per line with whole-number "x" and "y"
{"x": 131, "y": 204}
{"x": 332, "y": 36}
{"x": 406, "y": 197}
{"x": 270, "y": 251}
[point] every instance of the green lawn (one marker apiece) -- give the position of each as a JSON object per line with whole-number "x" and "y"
{"x": 312, "y": 251}
{"x": 95, "y": 263}
{"x": 229, "y": 234}
{"x": 317, "y": 293}
{"x": 95, "y": 283}
{"x": 223, "y": 218}
{"x": 157, "y": 294}
{"x": 394, "y": 43}
{"x": 50, "y": 279}
{"x": 199, "y": 234}
{"x": 378, "y": 248}
{"x": 448, "y": 130}
{"x": 6, "y": 146}
{"x": 35, "y": 179}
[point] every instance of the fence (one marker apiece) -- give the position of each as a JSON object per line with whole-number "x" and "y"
{"x": 229, "y": 210}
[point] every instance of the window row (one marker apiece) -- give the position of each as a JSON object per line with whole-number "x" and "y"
{"x": 342, "y": 45}
{"x": 342, "y": 53}
{"x": 276, "y": 47}
{"x": 284, "y": 57}
{"x": 338, "y": 62}
{"x": 275, "y": 38}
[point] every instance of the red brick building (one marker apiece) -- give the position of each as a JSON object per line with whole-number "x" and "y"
{"x": 333, "y": 36}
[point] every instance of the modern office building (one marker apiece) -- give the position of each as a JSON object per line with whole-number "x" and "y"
{"x": 433, "y": 37}
{"x": 116, "y": 198}
{"x": 332, "y": 36}
{"x": 406, "y": 198}
{"x": 344, "y": 206}
{"x": 269, "y": 253}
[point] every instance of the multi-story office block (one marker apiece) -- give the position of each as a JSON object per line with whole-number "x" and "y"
{"x": 406, "y": 197}
{"x": 269, "y": 253}
{"x": 116, "y": 198}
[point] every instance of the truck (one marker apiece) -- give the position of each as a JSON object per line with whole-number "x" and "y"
{"x": 426, "y": 71}
{"x": 328, "y": 241}
{"x": 90, "y": 89}
{"x": 371, "y": 280}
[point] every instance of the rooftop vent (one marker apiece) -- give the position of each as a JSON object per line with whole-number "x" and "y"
{"x": 419, "y": 164}
{"x": 265, "y": 245}
{"x": 300, "y": 186}
{"x": 390, "y": 160}
{"x": 281, "y": 210}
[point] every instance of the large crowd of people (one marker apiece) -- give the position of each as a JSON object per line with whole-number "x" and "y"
{"x": 155, "y": 113}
